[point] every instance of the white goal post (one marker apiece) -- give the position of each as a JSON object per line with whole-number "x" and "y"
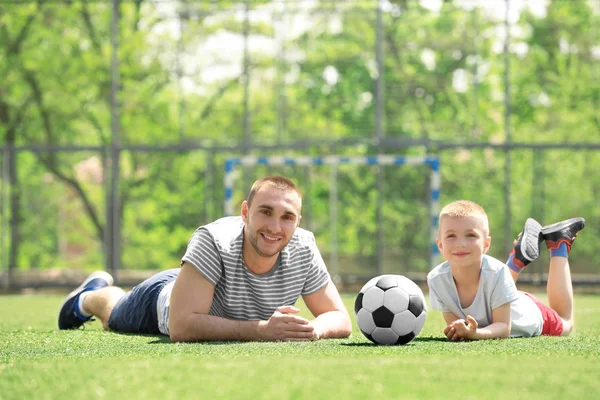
{"x": 431, "y": 161}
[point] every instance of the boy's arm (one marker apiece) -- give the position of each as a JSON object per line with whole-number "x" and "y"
{"x": 449, "y": 317}
{"x": 499, "y": 328}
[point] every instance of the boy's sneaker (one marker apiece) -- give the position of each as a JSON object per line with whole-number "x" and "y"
{"x": 527, "y": 245}
{"x": 69, "y": 316}
{"x": 562, "y": 232}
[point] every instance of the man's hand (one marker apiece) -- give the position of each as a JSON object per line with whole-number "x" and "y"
{"x": 282, "y": 326}
{"x": 461, "y": 329}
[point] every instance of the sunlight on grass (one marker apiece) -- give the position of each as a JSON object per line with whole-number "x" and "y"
{"x": 38, "y": 361}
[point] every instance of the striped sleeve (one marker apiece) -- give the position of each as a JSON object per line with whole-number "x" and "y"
{"x": 202, "y": 253}
{"x": 318, "y": 276}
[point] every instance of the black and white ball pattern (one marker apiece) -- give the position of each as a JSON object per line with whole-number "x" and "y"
{"x": 390, "y": 309}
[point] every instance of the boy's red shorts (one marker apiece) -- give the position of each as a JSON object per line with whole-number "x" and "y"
{"x": 553, "y": 325}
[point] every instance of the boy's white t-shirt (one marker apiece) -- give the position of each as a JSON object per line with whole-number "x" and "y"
{"x": 496, "y": 287}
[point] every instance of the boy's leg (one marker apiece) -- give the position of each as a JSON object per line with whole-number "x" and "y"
{"x": 560, "y": 291}
{"x": 559, "y": 238}
{"x": 526, "y": 248}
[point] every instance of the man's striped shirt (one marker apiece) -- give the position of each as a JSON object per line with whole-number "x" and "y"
{"x": 216, "y": 252}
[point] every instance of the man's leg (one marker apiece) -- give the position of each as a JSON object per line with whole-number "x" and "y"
{"x": 559, "y": 238}
{"x": 72, "y": 314}
{"x": 526, "y": 248}
{"x": 131, "y": 312}
{"x": 135, "y": 311}
{"x": 101, "y": 302}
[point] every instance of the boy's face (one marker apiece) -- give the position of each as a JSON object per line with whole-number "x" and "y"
{"x": 463, "y": 240}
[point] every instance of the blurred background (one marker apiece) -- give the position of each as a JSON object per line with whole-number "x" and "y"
{"x": 117, "y": 118}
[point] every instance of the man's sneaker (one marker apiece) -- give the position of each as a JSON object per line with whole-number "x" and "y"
{"x": 527, "y": 245}
{"x": 562, "y": 232}
{"x": 69, "y": 316}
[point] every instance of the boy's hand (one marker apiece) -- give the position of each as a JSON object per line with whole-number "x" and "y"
{"x": 461, "y": 329}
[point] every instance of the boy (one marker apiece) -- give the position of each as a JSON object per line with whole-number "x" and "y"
{"x": 477, "y": 294}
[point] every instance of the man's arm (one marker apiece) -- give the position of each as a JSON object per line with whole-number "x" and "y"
{"x": 189, "y": 321}
{"x": 331, "y": 317}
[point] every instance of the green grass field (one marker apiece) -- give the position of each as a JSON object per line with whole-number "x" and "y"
{"x": 37, "y": 361}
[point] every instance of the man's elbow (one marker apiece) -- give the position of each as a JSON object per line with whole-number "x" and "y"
{"x": 345, "y": 333}
{"x": 335, "y": 325}
{"x": 346, "y": 328}
{"x": 177, "y": 335}
{"x": 178, "y": 331}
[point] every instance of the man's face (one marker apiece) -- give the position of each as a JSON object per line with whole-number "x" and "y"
{"x": 271, "y": 219}
{"x": 462, "y": 241}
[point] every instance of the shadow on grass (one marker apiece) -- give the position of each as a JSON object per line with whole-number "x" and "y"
{"x": 161, "y": 339}
{"x": 431, "y": 339}
{"x": 411, "y": 343}
{"x": 158, "y": 338}
{"x": 164, "y": 339}
{"x": 361, "y": 344}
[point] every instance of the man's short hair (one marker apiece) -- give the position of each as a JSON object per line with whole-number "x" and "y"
{"x": 464, "y": 209}
{"x": 279, "y": 182}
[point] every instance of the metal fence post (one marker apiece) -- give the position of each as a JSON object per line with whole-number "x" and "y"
{"x": 115, "y": 142}
{"x": 507, "y": 134}
{"x": 379, "y": 134}
{"x": 246, "y": 79}
{"x": 3, "y": 217}
{"x": 333, "y": 222}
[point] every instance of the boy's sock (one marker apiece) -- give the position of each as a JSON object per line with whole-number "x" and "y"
{"x": 561, "y": 251}
{"x": 515, "y": 264}
{"x": 526, "y": 247}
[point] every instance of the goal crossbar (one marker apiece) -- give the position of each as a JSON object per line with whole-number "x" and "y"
{"x": 431, "y": 161}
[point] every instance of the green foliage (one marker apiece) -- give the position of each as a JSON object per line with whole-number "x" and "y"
{"x": 312, "y": 75}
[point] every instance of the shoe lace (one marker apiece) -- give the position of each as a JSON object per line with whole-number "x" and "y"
{"x": 89, "y": 320}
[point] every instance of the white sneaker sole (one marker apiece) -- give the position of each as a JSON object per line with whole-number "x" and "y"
{"x": 530, "y": 239}
{"x": 94, "y": 275}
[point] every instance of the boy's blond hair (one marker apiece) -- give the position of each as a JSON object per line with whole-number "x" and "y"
{"x": 463, "y": 209}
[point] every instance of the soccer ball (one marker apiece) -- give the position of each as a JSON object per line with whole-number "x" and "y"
{"x": 390, "y": 309}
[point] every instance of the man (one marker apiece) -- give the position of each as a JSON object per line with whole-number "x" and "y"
{"x": 238, "y": 280}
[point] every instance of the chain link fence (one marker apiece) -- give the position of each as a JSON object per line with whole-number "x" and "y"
{"x": 116, "y": 119}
